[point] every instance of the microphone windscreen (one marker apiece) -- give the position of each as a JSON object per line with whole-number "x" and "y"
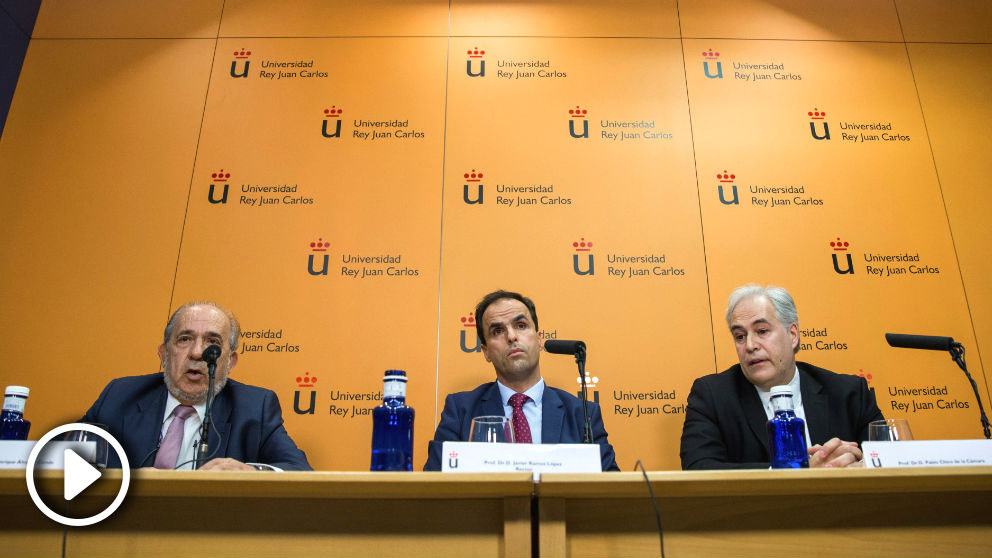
{"x": 211, "y": 354}
{"x": 562, "y": 347}
{"x": 928, "y": 342}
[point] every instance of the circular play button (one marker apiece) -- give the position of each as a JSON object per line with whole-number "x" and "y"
{"x": 78, "y": 475}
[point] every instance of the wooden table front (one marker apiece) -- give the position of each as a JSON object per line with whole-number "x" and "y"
{"x": 944, "y": 511}
{"x": 183, "y": 513}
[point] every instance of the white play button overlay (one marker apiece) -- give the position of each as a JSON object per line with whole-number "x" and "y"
{"x": 79, "y": 475}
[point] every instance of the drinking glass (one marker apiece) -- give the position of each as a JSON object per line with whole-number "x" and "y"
{"x": 492, "y": 428}
{"x": 889, "y": 430}
{"x": 102, "y": 447}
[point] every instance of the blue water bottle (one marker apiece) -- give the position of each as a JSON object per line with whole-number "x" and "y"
{"x": 786, "y": 432}
{"x": 392, "y": 426}
{"x": 12, "y": 423}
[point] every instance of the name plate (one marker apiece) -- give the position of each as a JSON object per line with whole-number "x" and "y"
{"x": 481, "y": 457}
{"x": 14, "y": 453}
{"x": 927, "y": 453}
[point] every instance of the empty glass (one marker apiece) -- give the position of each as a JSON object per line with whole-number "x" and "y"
{"x": 102, "y": 447}
{"x": 492, "y": 428}
{"x": 889, "y": 430}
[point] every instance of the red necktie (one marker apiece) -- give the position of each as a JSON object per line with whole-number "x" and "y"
{"x": 521, "y": 428}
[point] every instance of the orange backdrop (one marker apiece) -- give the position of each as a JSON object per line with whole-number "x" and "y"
{"x": 351, "y": 179}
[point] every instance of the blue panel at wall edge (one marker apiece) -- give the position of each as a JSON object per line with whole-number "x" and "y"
{"x": 17, "y": 19}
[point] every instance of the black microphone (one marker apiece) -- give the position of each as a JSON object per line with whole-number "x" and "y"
{"x": 210, "y": 356}
{"x": 577, "y": 348}
{"x": 928, "y": 342}
{"x": 560, "y": 347}
{"x": 934, "y": 343}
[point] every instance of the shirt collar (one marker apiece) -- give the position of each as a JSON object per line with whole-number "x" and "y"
{"x": 171, "y": 403}
{"x": 797, "y": 399}
{"x": 536, "y": 392}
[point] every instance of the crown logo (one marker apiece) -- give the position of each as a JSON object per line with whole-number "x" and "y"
{"x": 582, "y": 245}
{"x": 220, "y": 175}
{"x": 306, "y": 380}
{"x": 817, "y": 114}
{"x": 874, "y": 455}
{"x": 468, "y": 321}
{"x": 725, "y": 177}
{"x": 332, "y": 112}
{"x": 320, "y": 246}
{"x": 453, "y": 455}
{"x": 708, "y": 54}
{"x": 591, "y": 381}
{"x": 577, "y": 112}
{"x": 839, "y": 246}
{"x": 473, "y": 176}
{"x": 867, "y": 377}
{"x": 476, "y": 53}
{"x": 242, "y": 54}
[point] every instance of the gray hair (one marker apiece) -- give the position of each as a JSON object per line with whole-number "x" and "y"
{"x": 785, "y": 307}
{"x": 232, "y": 341}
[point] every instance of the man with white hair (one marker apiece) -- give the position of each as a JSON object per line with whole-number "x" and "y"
{"x": 726, "y": 413}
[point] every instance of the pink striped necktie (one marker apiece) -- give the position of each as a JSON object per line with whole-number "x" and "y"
{"x": 168, "y": 451}
{"x": 521, "y": 428}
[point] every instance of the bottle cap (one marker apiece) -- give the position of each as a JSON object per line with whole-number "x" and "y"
{"x": 17, "y": 390}
{"x": 781, "y": 390}
{"x": 394, "y": 375}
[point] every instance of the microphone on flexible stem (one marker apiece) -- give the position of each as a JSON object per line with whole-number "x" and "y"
{"x": 210, "y": 356}
{"x": 936, "y": 343}
{"x": 577, "y": 348}
{"x": 929, "y": 342}
{"x": 561, "y": 347}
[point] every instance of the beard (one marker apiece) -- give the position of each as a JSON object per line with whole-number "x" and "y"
{"x": 193, "y": 398}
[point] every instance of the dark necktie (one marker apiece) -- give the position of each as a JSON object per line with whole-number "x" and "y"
{"x": 521, "y": 428}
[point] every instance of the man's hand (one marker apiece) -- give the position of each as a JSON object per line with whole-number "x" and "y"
{"x": 225, "y": 464}
{"x": 835, "y": 453}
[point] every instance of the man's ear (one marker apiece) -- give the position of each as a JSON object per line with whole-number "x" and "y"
{"x": 794, "y": 332}
{"x": 234, "y": 361}
{"x": 485, "y": 353}
{"x": 161, "y": 353}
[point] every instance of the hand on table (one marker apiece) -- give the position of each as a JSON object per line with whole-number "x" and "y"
{"x": 225, "y": 464}
{"x": 835, "y": 453}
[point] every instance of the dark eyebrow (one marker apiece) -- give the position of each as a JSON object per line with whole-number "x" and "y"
{"x": 516, "y": 318}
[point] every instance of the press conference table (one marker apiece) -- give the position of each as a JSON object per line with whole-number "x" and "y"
{"x": 881, "y": 512}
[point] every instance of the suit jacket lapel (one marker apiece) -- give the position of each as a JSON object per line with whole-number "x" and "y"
{"x": 754, "y": 412}
{"x": 552, "y": 417}
{"x": 143, "y": 428}
{"x": 491, "y": 403}
{"x": 815, "y": 406}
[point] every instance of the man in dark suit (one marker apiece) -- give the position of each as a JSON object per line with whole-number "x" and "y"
{"x": 726, "y": 413}
{"x": 506, "y": 322}
{"x": 157, "y": 417}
